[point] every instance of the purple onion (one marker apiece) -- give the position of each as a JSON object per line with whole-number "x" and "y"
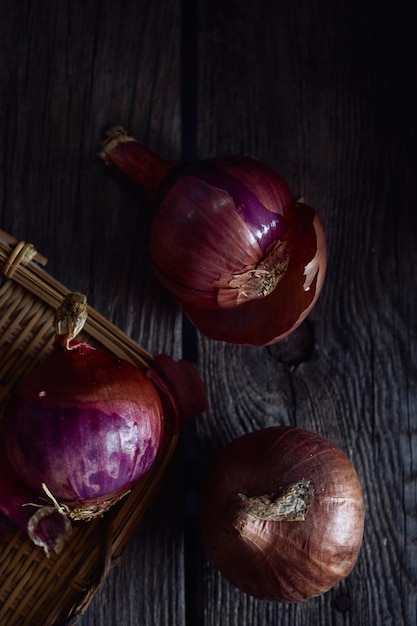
{"x": 243, "y": 259}
{"x": 83, "y": 427}
{"x": 85, "y": 424}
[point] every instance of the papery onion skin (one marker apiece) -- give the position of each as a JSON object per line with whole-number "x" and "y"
{"x": 86, "y": 424}
{"x": 244, "y": 261}
{"x": 285, "y": 561}
{"x": 44, "y": 524}
{"x": 267, "y": 321}
{"x": 215, "y": 221}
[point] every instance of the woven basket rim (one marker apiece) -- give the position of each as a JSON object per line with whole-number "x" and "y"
{"x": 57, "y": 590}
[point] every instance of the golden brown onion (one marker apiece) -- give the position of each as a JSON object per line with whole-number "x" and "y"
{"x": 282, "y": 514}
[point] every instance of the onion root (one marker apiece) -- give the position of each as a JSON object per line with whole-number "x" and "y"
{"x": 289, "y": 505}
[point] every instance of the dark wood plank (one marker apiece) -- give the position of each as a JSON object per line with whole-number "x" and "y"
{"x": 322, "y": 92}
{"x": 68, "y": 71}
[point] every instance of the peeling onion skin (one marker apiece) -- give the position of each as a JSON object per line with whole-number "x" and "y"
{"x": 45, "y": 526}
{"x": 267, "y": 321}
{"x": 239, "y": 255}
{"x": 86, "y": 424}
{"x": 282, "y": 561}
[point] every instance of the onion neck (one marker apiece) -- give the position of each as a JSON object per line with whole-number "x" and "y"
{"x": 289, "y": 505}
{"x": 124, "y": 152}
{"x": 70, "y": 318}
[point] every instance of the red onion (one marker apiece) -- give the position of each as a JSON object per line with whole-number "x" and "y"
{"x": 44, "y": 524}
{"x": 83, "y": 426}
{"x": 245, "y": 261}
{"x": 282, "y": 514}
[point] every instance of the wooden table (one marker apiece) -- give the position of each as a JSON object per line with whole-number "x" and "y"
{"x": 322, "y": 91}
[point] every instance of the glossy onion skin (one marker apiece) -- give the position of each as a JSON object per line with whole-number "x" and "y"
{"x": 85, "y": 423}
{"x": 217, "y": 219}
{"x": 284, "y": 561}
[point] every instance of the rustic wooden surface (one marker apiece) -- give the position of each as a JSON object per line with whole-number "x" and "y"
{"x": 324, "y": 92}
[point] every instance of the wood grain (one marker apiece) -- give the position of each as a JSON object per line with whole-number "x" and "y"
{"x": 322, "y": 91}
{"x": 68, "y": 71}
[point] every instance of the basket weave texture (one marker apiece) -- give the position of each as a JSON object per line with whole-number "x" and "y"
{"x": 36, "y": 590}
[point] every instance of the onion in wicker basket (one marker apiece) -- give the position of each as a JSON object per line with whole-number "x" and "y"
{"x": 35, "y": 589}
{"x": 83, "y": 426}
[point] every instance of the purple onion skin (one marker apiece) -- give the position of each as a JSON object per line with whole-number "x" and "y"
{"x": 85, "y": 423}
{"x": 216, "y": 220}
{"x": 243, "y": 259}
{"x": 47, "y": 528}
{"x": 265, "y": 218}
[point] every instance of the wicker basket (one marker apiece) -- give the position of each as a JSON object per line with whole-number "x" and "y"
{"x": 36, "y": 590}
